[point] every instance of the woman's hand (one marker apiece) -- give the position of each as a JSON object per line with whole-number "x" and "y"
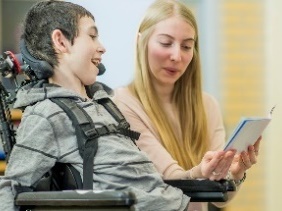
{"x": 244, "y": 160}
{"x": 214, "y": 165}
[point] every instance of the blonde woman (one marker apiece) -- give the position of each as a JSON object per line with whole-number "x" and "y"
{"x": 181, "y": 126}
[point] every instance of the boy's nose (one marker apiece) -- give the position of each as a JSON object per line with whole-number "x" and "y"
{"x": 101, "y": 50}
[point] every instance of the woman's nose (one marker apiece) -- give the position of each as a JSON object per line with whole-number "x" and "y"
{"x": 175, "y": 54}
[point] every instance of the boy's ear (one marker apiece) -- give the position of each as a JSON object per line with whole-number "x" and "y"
{"x": 60, "y": 42}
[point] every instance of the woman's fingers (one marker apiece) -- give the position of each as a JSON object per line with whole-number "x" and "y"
{"x": 218, "y": 165}
{"x": 249, "y": 158}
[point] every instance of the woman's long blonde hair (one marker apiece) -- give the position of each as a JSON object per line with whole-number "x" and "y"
{"x": 187, "y": 94}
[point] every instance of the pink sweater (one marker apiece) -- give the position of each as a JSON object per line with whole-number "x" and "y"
{"x": 149, "y": 140}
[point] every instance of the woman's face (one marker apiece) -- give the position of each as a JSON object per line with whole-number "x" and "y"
{"x": 170, "y": 50}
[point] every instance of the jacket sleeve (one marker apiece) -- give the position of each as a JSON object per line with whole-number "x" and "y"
{"x": 33, "y": 155}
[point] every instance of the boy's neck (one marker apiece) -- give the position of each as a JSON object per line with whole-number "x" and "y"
{"x": 78, "y": 88}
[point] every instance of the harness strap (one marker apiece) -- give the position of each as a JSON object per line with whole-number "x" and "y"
{"x": 80, "y": 119}
{"x": 87, "y": 134}
{"x": 87, "y": 144}
{"x": 129, "y": 133}
{"x": 114, "y": 111}
{"x": 123, "y": 126}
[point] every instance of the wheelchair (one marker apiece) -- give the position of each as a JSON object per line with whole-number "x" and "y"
{"x": 61, "y": 188}
{"x": 67, "y": 193}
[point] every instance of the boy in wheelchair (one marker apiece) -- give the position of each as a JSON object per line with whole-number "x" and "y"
{"x": 65, "y": 37}
{"x": 65, "y": 53}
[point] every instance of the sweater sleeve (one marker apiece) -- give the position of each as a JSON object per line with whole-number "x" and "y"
{"x": 215, "y": 123}
{"x": 33, "y": 155}
{"x": 149, "y": 140}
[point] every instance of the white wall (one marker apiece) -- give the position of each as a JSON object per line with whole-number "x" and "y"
{"x": 207, "y": 20}
{"x": 273, "y": 45}
{"x": 117, "y": 22}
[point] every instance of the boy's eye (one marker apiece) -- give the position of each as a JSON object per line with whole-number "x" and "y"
{"x": 93, "y": 37}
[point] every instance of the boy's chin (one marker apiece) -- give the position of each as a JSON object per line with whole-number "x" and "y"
{"x": 90, "y": 81}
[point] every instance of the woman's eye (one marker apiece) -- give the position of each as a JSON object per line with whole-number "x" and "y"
{"x": 166, "y": 44}
{"x": 185, "y": 47}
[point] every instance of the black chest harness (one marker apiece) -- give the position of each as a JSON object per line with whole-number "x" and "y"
{"x": 87, "y": 134}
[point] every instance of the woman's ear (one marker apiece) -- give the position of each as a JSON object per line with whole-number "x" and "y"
{"x": 60, "y": 42}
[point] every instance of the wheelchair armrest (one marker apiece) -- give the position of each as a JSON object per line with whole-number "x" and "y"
{"x": 204, "y": 190}
{"x": 75, "y": 200}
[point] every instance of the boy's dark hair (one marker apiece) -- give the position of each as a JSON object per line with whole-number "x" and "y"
{"x": 43, "y": 18}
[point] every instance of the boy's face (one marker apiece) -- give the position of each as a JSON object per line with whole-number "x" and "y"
{"x": 86, "y": 52}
